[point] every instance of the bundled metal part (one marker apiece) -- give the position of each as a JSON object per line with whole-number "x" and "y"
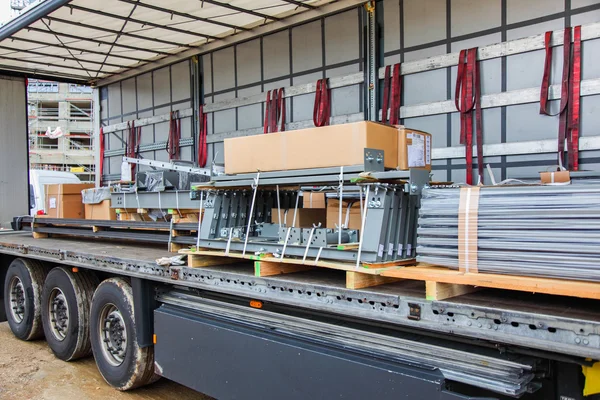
{"x": 547, "y": 231}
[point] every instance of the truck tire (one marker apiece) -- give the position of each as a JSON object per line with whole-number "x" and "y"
{"x": 120, "y": 359}
{"x": 22, "y": 298}
{"x": 66, "y": 303}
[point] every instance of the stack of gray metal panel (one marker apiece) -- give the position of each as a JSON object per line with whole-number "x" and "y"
{"x": 549, "y": 231}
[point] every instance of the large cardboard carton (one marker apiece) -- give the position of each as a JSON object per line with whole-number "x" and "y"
{"x": 414, "y": 149}
{"x": 64, "y": 200}
{"x": 305, "y": 217}
{"x": 350, "y": 213}
{"x": 313, "y": 200}
{"x": 327, "y": 146}
{"x": 100, "y": 211}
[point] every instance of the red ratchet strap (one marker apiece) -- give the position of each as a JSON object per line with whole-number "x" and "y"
{"x": 568, "y": 122}
{"x": 322, "y": 107}
{"x": 132, "y": 146}
{"x": 101, "y": 145}
{"x": 274, "y": 111}
{"x": 393, "y": 85}
{"x": 202, "y": 144}
{"x": 574, "y": 102}
{"x": 174, "y": 136}
{"x": 466, "y": 97}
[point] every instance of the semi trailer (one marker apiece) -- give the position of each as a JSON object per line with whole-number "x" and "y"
{"x": 173, "y": 81}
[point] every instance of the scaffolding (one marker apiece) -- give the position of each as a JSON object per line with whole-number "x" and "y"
{"x": 70, "y": 108}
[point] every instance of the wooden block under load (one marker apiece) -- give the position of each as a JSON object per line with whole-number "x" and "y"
{"x": 199, "y": 261}
{"x": 269, "y": 268}
{"x": 357, "y": 280}
{"x": 441, "y": 291}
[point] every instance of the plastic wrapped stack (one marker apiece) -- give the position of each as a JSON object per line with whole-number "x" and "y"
{"x": 549, "y": 231}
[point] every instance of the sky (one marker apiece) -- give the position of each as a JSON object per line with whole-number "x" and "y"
{"x": 4, "y": 11}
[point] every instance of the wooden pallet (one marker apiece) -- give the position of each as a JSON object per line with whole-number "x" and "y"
{"x": 265, "y": 265}
{"x": 442, "y": 283}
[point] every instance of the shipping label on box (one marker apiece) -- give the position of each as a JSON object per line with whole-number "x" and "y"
{"x": 52, "y": 202}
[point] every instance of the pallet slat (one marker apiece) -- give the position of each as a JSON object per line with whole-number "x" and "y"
{"x": 582, "y": 289}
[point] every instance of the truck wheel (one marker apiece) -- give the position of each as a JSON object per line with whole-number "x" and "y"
{"x": 22, "y": 298}
{"x": 66, "y": 302}
{"x": 121, "y": 361}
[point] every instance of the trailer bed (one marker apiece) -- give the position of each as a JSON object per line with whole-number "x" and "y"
{"x": 552, "y": 325}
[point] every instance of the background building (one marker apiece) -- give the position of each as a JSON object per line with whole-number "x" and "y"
{"x": 69, "y": 107}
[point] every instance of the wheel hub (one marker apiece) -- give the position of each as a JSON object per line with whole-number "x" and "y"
{"x": 58, "y": 310}
{"x": 17, "y": 299}
{"x": 113, "y": 332}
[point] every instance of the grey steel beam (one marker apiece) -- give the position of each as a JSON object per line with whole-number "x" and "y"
{"x": 184, "y": 15}
{"x": 86, "y": 39}
{"x": 118, "y": 33}
{"x": 39, "y": 53}
{"x": 47, "y": 64}
{"x": 241, "y": 10}
{"x": 154, "y": 200}
{"x": 141, "y": 22}
{"x": 28, "y": 18}
{"x": 77, "y": 49}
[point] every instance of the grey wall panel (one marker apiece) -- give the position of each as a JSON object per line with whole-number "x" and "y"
{"x": 114, "y": 165}
{"x": 524, "y": 122}
{"x": 470, "y": 16}
{"x": 129, "y": 96}
{"x": 161, "y": 130}
{"x": 590, "y": 116}
{"x": 276, "y": 60}
{"x": 207, "y": 73}
{"x": 147, "y": 136}
{"x": 250, "y": 116}
{"x": 590, "y": 68}
{"x": 307, "y": 47}
{"x": 114, "y": 99}
{"x": 162, "y": 86}
{"x": 582, "y": 3}
{"x": 224, "y": 69}
{"x": 345, "y": 100}
{"x": 519, "y": 10}
{"x": 434, "y": 124}
{"x": 341, "y": 38}
{"x": 425, "y": 87}
{"x": 424, "y": 21}
{"x": 585, "y": 18}
{"x": 248, "y": 62}
{"x": 186, "y": 129}
{"x": 144, "y": 91}
{"x": 391, "y": 25}
{"x": 424, "y": 53}
{"x": 14, "y": 190}
{"x": 218, "y": 153}
{"x": 186, "y": 153}
{"x": 180, "y": 81}
{"x": 304, "y": 104}
{"x": 103, "y": 103}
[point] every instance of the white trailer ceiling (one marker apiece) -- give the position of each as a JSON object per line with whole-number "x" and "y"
{"x": 104, "y": 40}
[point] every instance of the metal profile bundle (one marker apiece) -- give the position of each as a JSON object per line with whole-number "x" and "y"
{"x": 237, "y": 215}
{"x": 546, "y": 231}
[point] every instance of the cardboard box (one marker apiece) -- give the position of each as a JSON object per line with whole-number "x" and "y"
{"x": 101, "y": 211}
{"x": 64, "y": 200}
{"x": 327, "y": 146}
{"x": 552, "y": 177}
{"x": 414, "y": 149}
{"x": 313, "y": 200}
{"x": 350, "y": 211}
{"x": 305, "y": 217}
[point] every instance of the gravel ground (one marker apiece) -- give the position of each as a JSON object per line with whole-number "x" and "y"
{"x": 29, "y": 370}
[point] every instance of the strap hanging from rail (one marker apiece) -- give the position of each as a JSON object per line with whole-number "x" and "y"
{"x": 132, "y": 145}
{"x": 322, "y": 107}
{"x": 467, "y": 97}
{"x": 174, "y": 136}
{"x": 568, "y": 120}
{"x": 101, "y": 156}
{"x": 391, "y": 86}
{"x": 274, "y": 111}
{"x": 202, "y": 142}
{"x": 574, "y": 102}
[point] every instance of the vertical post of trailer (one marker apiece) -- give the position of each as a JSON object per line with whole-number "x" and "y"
{"x": 96, "y": 123}
{"x": 371, "y": 62}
